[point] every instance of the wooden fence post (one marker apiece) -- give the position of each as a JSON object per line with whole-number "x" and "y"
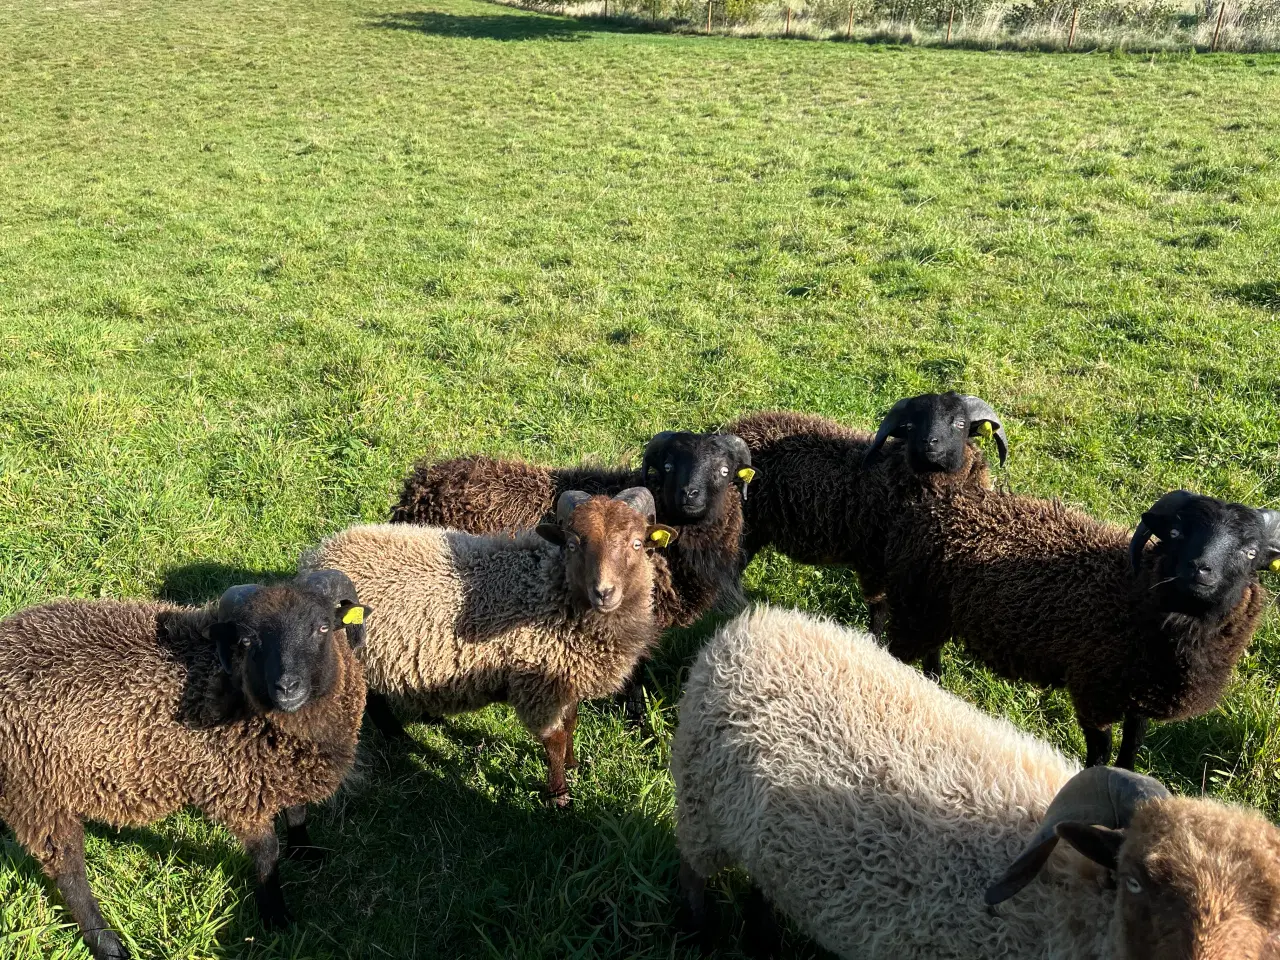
{"x": 708, "y": 16}
{"x": 849, "y": 33}
{"x": 1071, "y": 37}
{"x": 788, "y": 30}
{"x": 950, "y": 20}
{"x": 1222, "y": 9}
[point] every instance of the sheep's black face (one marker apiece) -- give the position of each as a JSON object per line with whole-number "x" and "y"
{"x": 936, "y": 428}
{"x": 280, "y": 647}
{"x": 1208, "y": 552}
{"x": 690, "y": 473}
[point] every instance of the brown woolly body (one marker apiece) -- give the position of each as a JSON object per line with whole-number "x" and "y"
{"x": 119, "y": 713}
{"x": 464, "y": 621}
{"x": 1043, "y": 593}
{"x": 814, "y": 502}
{"x": 482, "y": 495}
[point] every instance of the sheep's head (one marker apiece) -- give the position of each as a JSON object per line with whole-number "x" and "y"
{"x": 278, "y": 642}
{"x": 936, "y": 428}
{"x": 690, "y": 473}
{"x": 1195, "y": 880}
{"x": 605, "y": 541}
{"x": 1208, "y": 549}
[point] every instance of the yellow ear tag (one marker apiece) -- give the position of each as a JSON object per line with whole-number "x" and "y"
{"x": 660, "y": 537}
{"x": 354, "y": 616}
{"x": 746, "y": 474}
{"x": 1274, "y": 565}
{"x": 986, "y": 429}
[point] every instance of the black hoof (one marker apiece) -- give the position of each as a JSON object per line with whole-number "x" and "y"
{"x": 106, "y": 945}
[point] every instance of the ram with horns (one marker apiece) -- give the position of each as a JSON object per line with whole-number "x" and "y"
{"x": 539, "y": 620}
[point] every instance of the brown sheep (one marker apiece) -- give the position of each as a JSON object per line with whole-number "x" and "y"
{"x": 541, "y": 620}
{"x": 693, "y": 477}
{"x": 122, "y": 712}
{"x": 1048, "y": 595}
{"x": 828, "y": 494}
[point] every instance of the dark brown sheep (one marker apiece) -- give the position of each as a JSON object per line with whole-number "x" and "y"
{"x": 828, "y": 494}
{"x": 122, "y": 712}
{"x": 1046, "y": 594}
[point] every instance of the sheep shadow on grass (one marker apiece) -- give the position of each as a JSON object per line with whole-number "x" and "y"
{"x": 197, "y": 583}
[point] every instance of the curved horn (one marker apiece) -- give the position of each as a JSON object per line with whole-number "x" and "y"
{"x": 1103, "y": 796}
{"x": 1167, "y": 505}
{"x": 652, "y": 449}
{"x": 736, "y": 447}
{"x": 233, "y": 599}
{"x": 332, "y": 584}
{"x": 892, "y": 422}
{"x": 568, "y": 502}
{"x": 979, "y": 412}
{"x": 639, "y": 499}
{"x": 1271, "y": 527}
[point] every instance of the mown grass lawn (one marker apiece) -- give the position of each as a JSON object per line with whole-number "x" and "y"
{"x": 257, "y": 257}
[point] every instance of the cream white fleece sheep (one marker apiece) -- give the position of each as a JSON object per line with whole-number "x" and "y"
{"x": 870, "y": 806}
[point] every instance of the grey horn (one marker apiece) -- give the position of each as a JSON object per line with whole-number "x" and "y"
{"x": 1271, "y": 527}
{"x": 736, "y": 447}
{"x": 653, "y": 449}
{"x": 568, "y": 502}
{"x": 978, "y": 411}
{"x": 893, "y": 421}
{"x": 639, "y": 499}
{"x": 233, "y": 599}
{"x": 1098, "y": 796}
{"x": 1167, "y": 505}
{"x": 336, "y": 587}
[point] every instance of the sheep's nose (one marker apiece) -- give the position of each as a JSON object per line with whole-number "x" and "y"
{"x": 1206, "y": 575}
{"x": 288, "y": 686}
{"x": 934, "y": 441}
{"x": 690, "y": 494}
{"x": 603, "y": 593}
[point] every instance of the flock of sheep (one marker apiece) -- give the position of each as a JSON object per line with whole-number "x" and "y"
{"x": 883, "y": 815}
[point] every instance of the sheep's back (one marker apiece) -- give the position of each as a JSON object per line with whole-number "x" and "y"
{"x": 873, "y": 807}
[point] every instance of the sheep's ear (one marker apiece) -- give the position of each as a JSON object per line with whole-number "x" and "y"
{"x": 350, "y": 617}
{"x": 225, "y": 638}
{"x": 551, "y": 532}
{"x": 1100, "y": 844}
{"x": 660, "y": 535}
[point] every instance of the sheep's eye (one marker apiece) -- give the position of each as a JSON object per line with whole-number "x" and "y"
{"x": 571, "y": 545}
{"x": 323, "y": 628}
{"x": 724, "y": 471}
{"x": 667, "y": 466}
{"x": 1132, "y": 885}
{"x": 636, "y": 544}
{"x": 246, "y": 640}
{"x": 1175, "y": 534}
{"x": 1251, "y": 553}
{"x": 959, "y": 424}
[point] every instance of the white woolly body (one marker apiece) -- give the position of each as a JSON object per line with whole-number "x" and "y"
{"x": 460, "y": 621}
{"x": 869, "y": 805}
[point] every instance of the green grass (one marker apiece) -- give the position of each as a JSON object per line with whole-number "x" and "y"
{"x": 257, "y": 257}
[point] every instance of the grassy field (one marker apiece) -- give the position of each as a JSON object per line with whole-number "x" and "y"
{"x": 257, "y": 257}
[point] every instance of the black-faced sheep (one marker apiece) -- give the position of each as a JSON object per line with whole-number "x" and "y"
{"x": 881, "y": 814}
{"x": 828, "y": 494}
{"x": 122, "y": 712}
{"x": 1045, "y": 594}
{"x": 540, "y": 620}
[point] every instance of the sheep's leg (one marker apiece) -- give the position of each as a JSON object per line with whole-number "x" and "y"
{"x": 387, "y": 723}
{"x": 762, "y": 937}
{"x": 298, "y": 837}
{"x": 554, "y": 743}
{"x": 931, "y": 664}
{"x": 632, "y": 696}
{"x": 570, "y": 726}
{"x": 1135, "y": 731}
{"x": 63, "y": 860}
{"x": 1097, "y": 745}
{"x": 264, "y": 847}
{"x": 695, "y": 916}
{"x": 879, "y": 617}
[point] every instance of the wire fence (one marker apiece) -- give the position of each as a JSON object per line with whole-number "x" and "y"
{"x": 1242, "y": 25}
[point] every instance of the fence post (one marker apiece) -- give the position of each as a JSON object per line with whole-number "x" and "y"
{"x": 950, "y": 20}
{"x": 849, "y": 33}
{"x": 788, "y": 31}
{"x": 1222, "y": 9}
{"x": 1075, "y": 16}
{"x": 708, "y": 16}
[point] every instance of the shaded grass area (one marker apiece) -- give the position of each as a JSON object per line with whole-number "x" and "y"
{"x": 256, "y": 258}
